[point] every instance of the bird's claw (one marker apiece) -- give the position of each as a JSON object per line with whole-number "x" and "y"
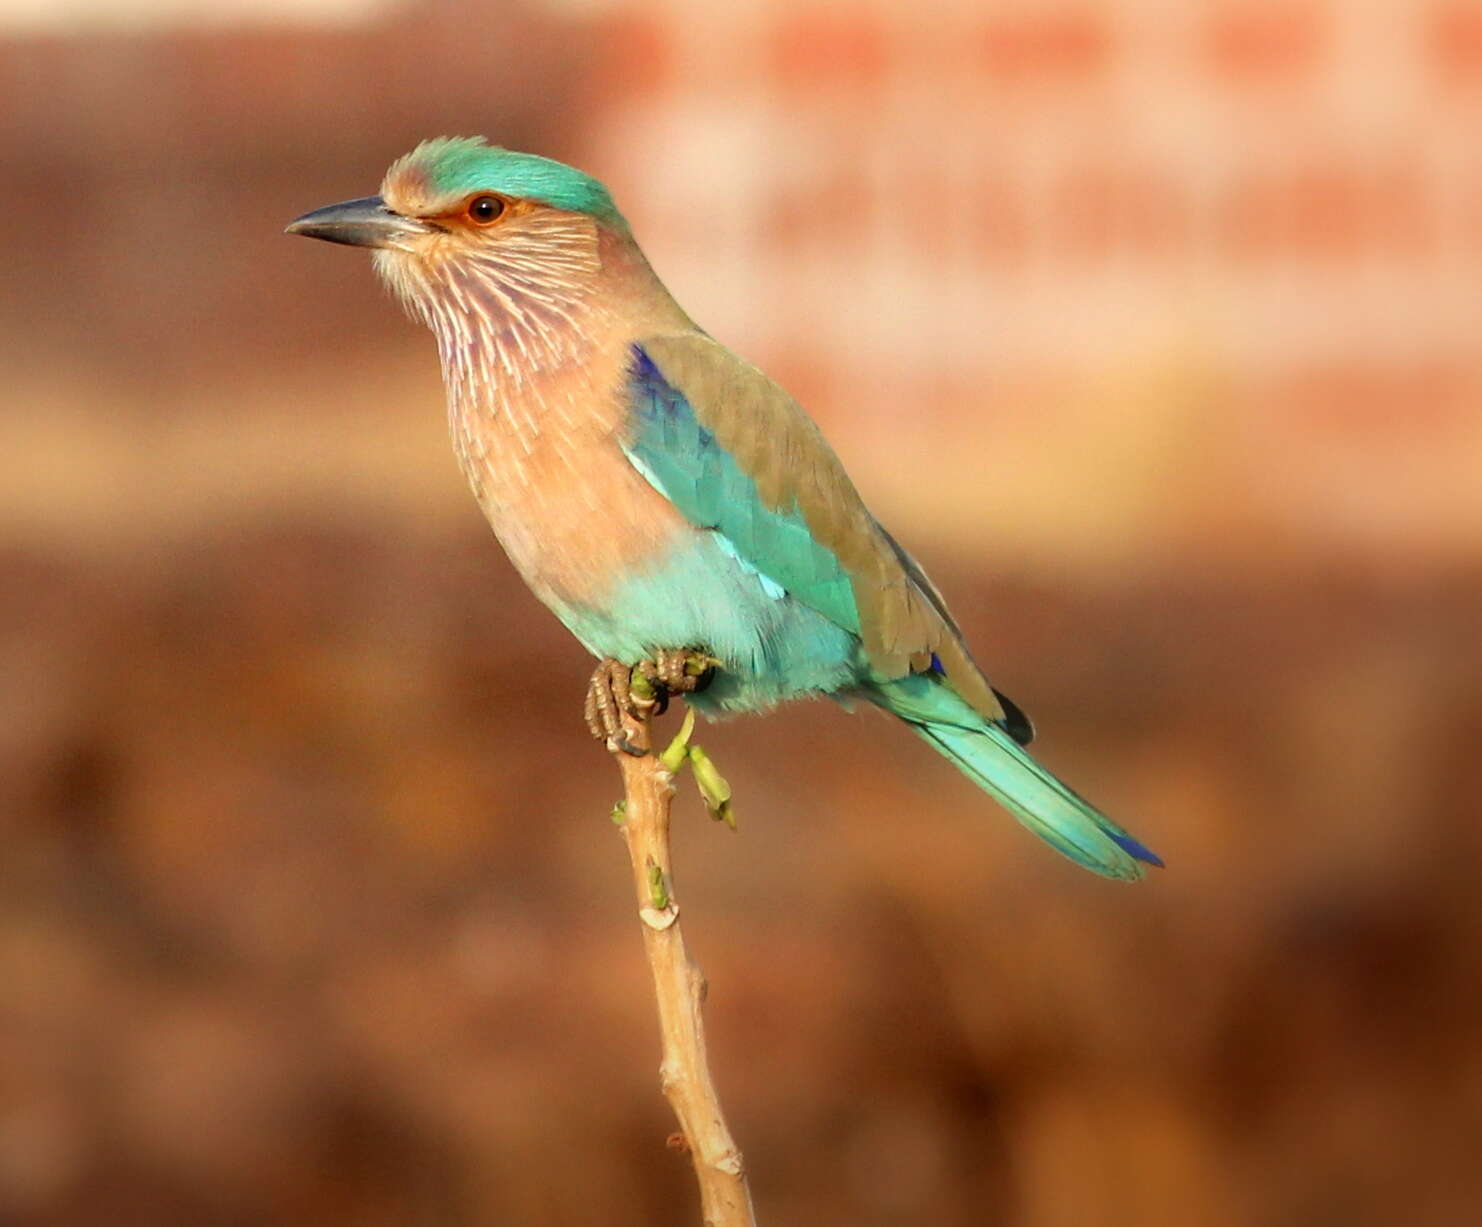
{"x": 616, "y": 690}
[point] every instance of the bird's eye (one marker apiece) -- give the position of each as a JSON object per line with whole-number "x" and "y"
{"x": 485, "y": 210}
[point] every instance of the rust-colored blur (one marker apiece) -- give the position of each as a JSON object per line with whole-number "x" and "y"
{"x": 1152, "y": 328}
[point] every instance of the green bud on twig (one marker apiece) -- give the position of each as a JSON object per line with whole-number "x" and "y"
{"x": 619, "y": 813}
{"x": 674, "y": 757}
{"x": 658, "y": 889}
{"x": 713, "y": 787}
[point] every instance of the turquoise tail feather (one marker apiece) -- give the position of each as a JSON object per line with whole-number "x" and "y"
{"x": 992, "y": 759}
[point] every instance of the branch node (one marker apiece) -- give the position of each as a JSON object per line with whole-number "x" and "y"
{"x": 730, "y": 1164}
{"x": 658, "y": 919}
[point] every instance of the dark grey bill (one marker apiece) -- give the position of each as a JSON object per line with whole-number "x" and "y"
{"x": 366, "y": 222}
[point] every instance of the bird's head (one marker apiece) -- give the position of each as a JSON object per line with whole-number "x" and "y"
{"x": 463, "y": 228}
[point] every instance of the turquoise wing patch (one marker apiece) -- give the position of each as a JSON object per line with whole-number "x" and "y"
{"x": 682, "y": 460}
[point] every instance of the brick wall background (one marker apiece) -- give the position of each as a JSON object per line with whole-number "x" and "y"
{"x": 1151, "y": 327}
{"x": 921, "y": 210}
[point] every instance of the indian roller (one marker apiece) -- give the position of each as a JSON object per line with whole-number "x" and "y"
{"x": 664, "y": 498}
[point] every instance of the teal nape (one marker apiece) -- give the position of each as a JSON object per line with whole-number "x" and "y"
{"x": 660, "y": 494}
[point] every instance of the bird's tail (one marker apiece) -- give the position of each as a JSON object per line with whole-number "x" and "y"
{"x": 986, "y": 753}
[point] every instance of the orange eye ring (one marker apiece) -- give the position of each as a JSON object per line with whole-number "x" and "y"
{"x": 484, "y": 209}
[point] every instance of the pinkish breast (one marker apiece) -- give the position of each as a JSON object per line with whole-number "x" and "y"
{"x": 544, "y": 461}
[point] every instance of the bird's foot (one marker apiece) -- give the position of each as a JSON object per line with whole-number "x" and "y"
{"x": 616, "y": 690}
{"x": 674, "y": 671}
{"x": 610, "y": 697}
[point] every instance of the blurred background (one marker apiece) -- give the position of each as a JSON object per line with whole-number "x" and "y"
{"x": 1152, "y": 327}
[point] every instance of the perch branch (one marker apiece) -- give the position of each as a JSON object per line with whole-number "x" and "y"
{"x": 678, "y": 985}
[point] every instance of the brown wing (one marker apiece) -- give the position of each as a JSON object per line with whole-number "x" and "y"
{"x": 903, "y": 620}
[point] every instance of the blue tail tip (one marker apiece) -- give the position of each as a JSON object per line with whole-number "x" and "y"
{"x": 1135, "y": 850}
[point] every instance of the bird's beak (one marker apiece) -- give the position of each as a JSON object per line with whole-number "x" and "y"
{"x": 366, "y": 222}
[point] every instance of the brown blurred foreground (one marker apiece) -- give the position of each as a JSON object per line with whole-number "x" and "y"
{"x": 313, "y": 914}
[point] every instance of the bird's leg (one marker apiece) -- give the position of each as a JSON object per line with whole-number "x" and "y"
{"x": 616, "y": 689}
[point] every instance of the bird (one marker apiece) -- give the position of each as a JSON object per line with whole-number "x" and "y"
{"x": 666, "y": 499}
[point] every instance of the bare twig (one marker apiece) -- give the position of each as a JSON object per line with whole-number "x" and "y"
{"x": 678, "y": 985}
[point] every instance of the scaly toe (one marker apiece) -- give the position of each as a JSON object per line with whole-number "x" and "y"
{"x": 682, "y": 670}
{"x": 670, "y": 668}
{"x": 609, "y": 696}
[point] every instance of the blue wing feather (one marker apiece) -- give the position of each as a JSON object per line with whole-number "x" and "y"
{"x": 682, "y": 459}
